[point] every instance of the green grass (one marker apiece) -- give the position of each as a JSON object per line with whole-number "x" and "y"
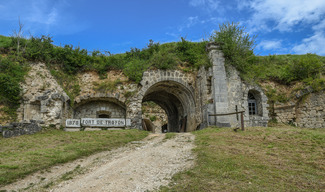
{"x": 259, "y": 159}
{"x": 20, "y": 156}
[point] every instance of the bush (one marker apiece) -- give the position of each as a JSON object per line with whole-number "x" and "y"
{"x": 164, "y": 59}
{"x": 308, "y": 66}
{"x": 11, "y": 74}
{"x": 134, "y": 69}
{"x": 236, "y": 44}
{"x": 5, "y": 43}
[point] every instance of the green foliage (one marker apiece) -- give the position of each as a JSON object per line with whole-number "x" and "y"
{"x": 107, "y": 86}
{"x": 69, "y": 83}
{"x": 72, "y": 60}
{"x": 12, "y": 72}
{"x": 308, "y": 66}
{"x": 135, "y": 68}
{"x": 129, "y": 94}
{"x": 286, "y": 69}
{"x": 5, "y": 43}
{"x": 165, "y": 59}
{"x": 274, "y": 96}
{"x": 153, "y": 118}
{"x": 236, "y": 44}
{"x": 192, "y": 53}
{"x": 39, "y": 49}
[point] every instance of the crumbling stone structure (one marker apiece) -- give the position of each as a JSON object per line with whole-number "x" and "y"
{"x": 17, "y": 129}
{"x": 308, "y": 110}
{"x": 188, "y": 98}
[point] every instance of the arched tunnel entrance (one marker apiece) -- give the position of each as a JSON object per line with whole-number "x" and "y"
{"x": 176, "y": 100}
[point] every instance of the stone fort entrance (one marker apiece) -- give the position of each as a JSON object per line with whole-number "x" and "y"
{"x": 186, "y": 97}
{"x": 176, "y": 100}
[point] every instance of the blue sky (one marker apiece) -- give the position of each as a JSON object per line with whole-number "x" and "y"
{"x": 281, "y": 26}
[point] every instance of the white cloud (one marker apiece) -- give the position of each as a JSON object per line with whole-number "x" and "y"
{"x": 191, "y": 21}
{"x": 313, "y": 44}
{"x": 40, "y": 16}
{"x": 284, "y": 14}
{"x": 34, "y": 11}
{"x": 270, "y": 45}
{"x": 209, "y": 5}
{"x": 319, "y": 26}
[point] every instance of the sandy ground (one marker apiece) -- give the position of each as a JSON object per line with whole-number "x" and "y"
{"x": 140, "y": 166}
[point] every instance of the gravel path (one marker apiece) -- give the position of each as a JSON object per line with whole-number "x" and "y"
{"x": 140, "y": 166}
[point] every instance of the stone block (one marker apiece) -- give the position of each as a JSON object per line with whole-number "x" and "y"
{"x": 92, "y": 129}
{"x": 72, "y": 129}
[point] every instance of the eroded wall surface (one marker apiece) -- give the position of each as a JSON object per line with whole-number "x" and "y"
{"x": 308, "y": 111}
{"x": 43, "y": 98}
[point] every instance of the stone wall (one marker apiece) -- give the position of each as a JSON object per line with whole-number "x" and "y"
{"x": 150, "y": 111}
{"x": 311, "y": 112}
{"x": 93, "y": 109}
{"x": 308, "y": 111}
{"x": 236, "y": 97}
{"x": 17, "y": 129}
{"x": 175, "y": 92}
{"x": 285, "y": 113}
{"x": 43, "y": 98}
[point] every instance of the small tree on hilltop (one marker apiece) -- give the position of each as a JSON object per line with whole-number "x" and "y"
{"x": 236, "y": 44}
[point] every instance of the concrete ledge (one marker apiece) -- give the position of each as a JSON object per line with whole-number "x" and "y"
{"x": 72, "y": 129}
{"x": 92, "y": 129}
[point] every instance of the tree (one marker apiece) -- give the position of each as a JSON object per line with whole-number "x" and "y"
{"x": 236, "y": 44}
{"x": 18, "y": 34}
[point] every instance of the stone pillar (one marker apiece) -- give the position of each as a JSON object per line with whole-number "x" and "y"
{"x": 219, "y": 85}
{"x": 134, "y": 112}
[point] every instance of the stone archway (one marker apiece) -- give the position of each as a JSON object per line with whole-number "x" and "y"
{"x": 177, "y": 101}
{"x": 99, "y": 108}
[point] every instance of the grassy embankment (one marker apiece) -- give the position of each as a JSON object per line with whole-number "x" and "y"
{"x": 259, "y": 159}
{"x": 20, "y": 156}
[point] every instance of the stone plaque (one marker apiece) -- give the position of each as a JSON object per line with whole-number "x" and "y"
{"x": 103, "y": 122}
{"x": 72, "y": 123}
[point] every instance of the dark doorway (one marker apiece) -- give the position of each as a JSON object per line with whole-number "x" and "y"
{"x": 103, "y": 116}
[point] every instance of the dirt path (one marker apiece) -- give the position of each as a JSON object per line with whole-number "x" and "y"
{"x": 140, "y": 166}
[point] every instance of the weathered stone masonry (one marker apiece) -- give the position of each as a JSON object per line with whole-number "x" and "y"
{"x": 307, "y": 111}
{"x": 187, "y": 98}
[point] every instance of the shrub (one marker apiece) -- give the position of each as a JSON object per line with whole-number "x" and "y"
{"x": 164, "y": 60}
{"x": 134, "y": 69}
{"x": 308, "y": 66}
{"x": 236, "y": 44}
